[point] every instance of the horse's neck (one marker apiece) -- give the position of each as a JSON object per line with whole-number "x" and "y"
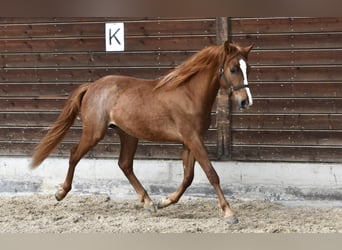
{"x": 205, "y": 86}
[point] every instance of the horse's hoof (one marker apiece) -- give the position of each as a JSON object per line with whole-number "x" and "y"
{"x": 58, "y": 197}
{"x": 150, "y": 208}
{"x": 60, "y": 194}
{"x": 164, "y": 203}
{"x": 160, "y": 205}
{"x": 231, "y": 220}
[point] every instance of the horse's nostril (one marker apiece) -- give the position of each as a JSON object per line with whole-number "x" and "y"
{"x": 244, "y": 104}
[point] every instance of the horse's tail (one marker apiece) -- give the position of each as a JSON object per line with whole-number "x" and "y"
{"x": 58, "y": 130}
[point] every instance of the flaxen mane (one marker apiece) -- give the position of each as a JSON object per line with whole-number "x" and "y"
{"x": 207, "y": 58}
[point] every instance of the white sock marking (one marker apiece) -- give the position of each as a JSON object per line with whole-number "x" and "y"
{"x": 243, "y": 67}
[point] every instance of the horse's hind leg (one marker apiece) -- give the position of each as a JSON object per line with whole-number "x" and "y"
{"x": 88, "y": 140}
{"x": 127, "y": 152}
{"x": 188, "y": 165}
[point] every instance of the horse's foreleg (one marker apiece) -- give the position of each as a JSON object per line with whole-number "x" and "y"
{"x": 127, "y": 152}
{"x": 196, "y": 146}
{"x": 188, "y": 165}
{"x": 88, "y": 140}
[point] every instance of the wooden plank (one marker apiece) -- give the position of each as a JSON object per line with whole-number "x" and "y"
{"x": 170, "y": 43}
{"x": 52, "y": 45}
{"x": 287, "y": 121}
{"x": 293, "y": 41}
{"x": 297, "y": 73}
{"x": 54, "y": 20}
{"x": 295, "y": 57}
{"x": 85, "y": 20}
{"x": 95, "y": 59}
{"x": 29, "y": 119}
{"x": 286, "y": 25}
{"x": 58, "y": 30}
{"x": 31, "y": 104}
{"x": 287, "y": 154}
{"x": 171, "y": 27}
{"x": 290, "y": 137}
{"x": 37, "y": 89}
{"x": 296, "y": 89}
{"x": 295, "y": 106}
{"x": 77, "y": 75}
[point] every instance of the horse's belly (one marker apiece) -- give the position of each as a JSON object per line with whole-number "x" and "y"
{"x": 152, "y": 131}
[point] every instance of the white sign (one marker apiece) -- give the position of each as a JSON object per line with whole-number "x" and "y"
{"x": 115, "y": 37}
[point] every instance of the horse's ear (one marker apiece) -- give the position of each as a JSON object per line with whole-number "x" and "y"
{"x": 245, "y": 51}
{"x": 230, "y": 47}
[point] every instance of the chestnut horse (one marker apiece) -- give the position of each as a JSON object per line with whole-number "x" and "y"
{"x": 174, "y": 108}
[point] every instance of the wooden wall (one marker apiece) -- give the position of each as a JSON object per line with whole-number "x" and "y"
{"x": 43, "y": 59}
{"x": 296, "y": 81}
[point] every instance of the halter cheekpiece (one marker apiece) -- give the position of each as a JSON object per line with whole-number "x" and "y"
{"x": 230, "y": 85}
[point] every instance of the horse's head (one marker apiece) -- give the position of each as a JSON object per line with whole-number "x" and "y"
{"x": 233, "y": 74}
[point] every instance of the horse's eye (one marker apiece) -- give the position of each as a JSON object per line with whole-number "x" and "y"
{"x": 233, "y": 70}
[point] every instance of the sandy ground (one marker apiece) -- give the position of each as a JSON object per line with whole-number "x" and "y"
{"x": 101, "y": 213}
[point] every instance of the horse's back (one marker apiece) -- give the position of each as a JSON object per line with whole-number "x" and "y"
{"x": 107, "y": 90}
{"x": 124, "y": 82}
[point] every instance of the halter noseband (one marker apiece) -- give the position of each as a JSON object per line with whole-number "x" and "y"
{"x": 230, "y": 85}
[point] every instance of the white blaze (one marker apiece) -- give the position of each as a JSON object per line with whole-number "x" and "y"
{"x": 243, "y": 67}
